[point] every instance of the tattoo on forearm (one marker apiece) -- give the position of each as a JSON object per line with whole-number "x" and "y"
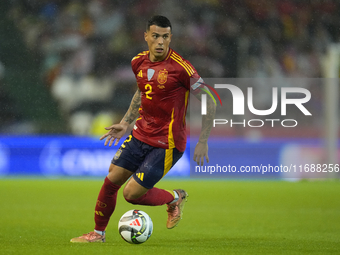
{"x": 132, "y": 112}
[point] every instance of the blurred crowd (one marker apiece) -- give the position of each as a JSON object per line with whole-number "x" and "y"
{"x": 86, "y": 46}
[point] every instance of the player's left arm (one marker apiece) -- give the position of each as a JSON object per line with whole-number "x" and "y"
{"x": 201, "y": 149}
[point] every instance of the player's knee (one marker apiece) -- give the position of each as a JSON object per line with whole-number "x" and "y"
{"x": 130, "y": 196}
{"x": 132, "y": 199}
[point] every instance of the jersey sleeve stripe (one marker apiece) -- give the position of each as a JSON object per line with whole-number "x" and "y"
{"x": 181, "y": 59}
{"x": 135, "y": 58}
{"x": 143, "y": 53}
{"x": 186, "y": 66}
{"x": 140, "y": 54}
{"x": 186, "y": 69}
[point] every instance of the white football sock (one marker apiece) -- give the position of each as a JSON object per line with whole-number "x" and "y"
{"x": 100, "y": 232}
{"x": 176, "y": 197}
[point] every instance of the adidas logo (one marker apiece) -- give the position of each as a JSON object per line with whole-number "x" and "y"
{"x": 135, "y": 223}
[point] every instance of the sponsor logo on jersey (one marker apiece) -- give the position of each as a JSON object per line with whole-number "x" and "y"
{"x": 140, "y": 74}
{"x": 162, "y": 76}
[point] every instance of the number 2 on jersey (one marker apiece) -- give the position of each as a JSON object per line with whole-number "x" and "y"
{"x": 149, "y": 90}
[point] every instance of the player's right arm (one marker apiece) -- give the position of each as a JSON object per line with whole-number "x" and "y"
{"x": 116, "y": 131}
{"x": 132, "y": 112}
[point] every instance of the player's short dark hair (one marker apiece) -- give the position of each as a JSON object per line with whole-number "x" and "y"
{"x": 159, "y": 21}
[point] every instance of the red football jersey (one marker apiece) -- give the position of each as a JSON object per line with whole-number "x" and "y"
{"x": 165, "y": 88}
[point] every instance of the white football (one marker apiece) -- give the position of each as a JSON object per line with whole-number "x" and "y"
{"x": 135, "y": 226}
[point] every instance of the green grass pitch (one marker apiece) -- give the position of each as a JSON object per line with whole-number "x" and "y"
{"x": 221, "y": 217}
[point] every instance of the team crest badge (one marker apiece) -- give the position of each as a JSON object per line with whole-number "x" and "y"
{"x": 162, "y": 76}
{"x": 101, "y": 204}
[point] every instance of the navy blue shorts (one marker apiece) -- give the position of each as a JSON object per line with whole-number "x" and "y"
{"x": 148, "y": 163}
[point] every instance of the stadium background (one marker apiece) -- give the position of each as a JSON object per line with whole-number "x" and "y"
{"x": 65, "y": 74}
{"x": 65, "y": 68}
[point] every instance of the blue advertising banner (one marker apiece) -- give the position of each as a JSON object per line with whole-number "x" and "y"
{"x": 62, "y": 156}
{"x": 86, "y": 156}
{"x": 239, "y": 158}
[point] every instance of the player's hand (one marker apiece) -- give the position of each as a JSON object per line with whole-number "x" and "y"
{"x": 116, "y": 132}
{"x": 201, "y": 152}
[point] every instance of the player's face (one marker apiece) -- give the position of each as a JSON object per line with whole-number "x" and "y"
{"x": 158, "y": 39}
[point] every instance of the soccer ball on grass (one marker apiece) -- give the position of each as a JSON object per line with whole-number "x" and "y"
{"x": 135, "y": 226}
